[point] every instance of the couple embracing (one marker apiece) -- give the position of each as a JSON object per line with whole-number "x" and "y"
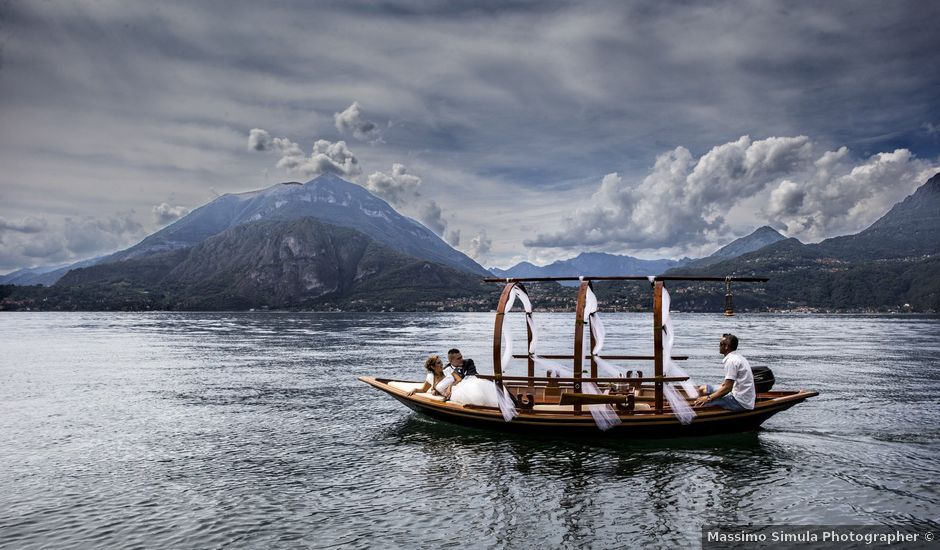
{"x": 457, "y": 382}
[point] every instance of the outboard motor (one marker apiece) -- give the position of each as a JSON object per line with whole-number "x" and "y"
{"x": 763, "y": 379}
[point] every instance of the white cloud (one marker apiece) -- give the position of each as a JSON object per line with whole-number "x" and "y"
{"x": 50, "y": 242}
{"x": 400, "y": 189}
{"x": 325, "y": 156}
{"x": 87, "y": 235}
{"x": 786, "y": 199}
{"x": 351, "y": 121}
{"x": 684, "y": 201}
{"x": 396, "y": 188}
{"x": 840, "y": 197}
{"x": 259, "y": 140}
{"x": 164, "y": 213}
{"x": 480, "y": 246}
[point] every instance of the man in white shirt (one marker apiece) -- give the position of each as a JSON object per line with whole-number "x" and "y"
{"x": 737, "y": 392}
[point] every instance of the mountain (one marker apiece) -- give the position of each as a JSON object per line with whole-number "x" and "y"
{"x": 910, "y": 229}
{"x": 30, "y": 275}
{"x": 43, "y": 275}
{"x": 590, "y": 263}
{"x": 327, "y": 198}
{"x": 894, "y": 263}
{"x": 598, "y": 263}
{"x": 760, "y": 238}
{"x": 300, "y": 263}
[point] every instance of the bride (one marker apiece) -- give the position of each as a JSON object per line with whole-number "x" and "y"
{"x": 467, "y": 390}
{"x": 439, "y": 380}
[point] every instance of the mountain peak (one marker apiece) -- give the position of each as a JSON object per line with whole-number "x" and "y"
{"x": 328, "y": 198}
{"x": 757, "y": 239}
{"x": 590, "y": 263}
{"x": 766, "y": 230}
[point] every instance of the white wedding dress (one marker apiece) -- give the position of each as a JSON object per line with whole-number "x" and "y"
{"x": 475, "y": 391}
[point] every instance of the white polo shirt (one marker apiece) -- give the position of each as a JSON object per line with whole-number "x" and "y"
{"x": 739, "y": 370}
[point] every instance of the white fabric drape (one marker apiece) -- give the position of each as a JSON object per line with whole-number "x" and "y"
{"x": 600, "y": 334}
{"x": 680, "y": 407}
{"x": 506, "y": 406}
{"x": 517, "y": 293}
{"x": 604, "y": 415}
{"x": 552, "y": 366}
{"x": 671, "y": 368}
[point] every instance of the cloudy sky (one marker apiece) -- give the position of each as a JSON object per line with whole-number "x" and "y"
{"x": 517, "y": 131}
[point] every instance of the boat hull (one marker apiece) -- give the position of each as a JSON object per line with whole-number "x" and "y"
{"x": 640, "y": 425}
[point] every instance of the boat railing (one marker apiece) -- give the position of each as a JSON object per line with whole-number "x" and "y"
{"x": 623, "y": 278}
{"x": 615, "y": 357}
{"x": 621, "y": 380}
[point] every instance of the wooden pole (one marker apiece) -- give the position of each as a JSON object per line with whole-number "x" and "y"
{"x": 528, "y": 331}
{"x": 579, "y": 339}
{"x": 593, "y": 342}
{"x": 658, "y": 343}
{"x": 498, "y": 331}
{"x": 531, "y": 361}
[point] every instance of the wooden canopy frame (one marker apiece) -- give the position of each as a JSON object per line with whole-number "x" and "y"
{"x": 578, "y": 379}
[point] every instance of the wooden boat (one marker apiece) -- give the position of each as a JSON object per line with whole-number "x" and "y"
{"x": 553, "y": 405}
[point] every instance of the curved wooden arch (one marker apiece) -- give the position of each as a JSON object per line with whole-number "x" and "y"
{"x": 498, "y": 332}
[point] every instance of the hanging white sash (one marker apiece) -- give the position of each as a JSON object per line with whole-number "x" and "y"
{"x": 600, "y": 334}
{"x": 604, "y": 415}
{"x": 680, "y": 407}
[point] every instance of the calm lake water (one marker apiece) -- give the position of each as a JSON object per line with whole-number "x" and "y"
{"x": 205, "y": 430}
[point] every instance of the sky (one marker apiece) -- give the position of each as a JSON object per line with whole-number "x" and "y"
{"x": 515, "y": 130}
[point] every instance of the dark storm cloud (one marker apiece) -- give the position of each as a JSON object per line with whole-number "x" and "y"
{"x": 26, "y": 225}
{"x": 137, "y": 101}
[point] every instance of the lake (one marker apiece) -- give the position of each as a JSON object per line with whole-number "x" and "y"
{"x": 207, "y": 430}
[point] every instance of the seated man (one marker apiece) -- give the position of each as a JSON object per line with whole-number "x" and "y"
{"x": 462, "y": 367}
{"x": 737, "y": 392}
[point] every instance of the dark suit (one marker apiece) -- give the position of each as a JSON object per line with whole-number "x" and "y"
{"x": 468, "y": 369}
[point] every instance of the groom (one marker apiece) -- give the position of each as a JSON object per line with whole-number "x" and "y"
{"x": 463, "y": 367}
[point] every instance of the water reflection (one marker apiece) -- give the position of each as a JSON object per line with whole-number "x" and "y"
{"x": 630, "y": 488}
{"x": 223, "y": 429}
